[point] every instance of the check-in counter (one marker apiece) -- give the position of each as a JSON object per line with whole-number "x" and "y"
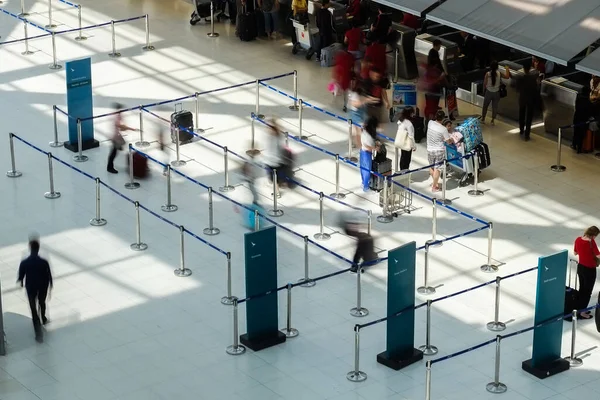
{"x": 401, "y": 61}
{"x": 449, "y": 52}
{"x": 559, "y": 95}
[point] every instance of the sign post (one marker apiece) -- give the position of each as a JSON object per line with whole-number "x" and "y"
{"x": 262, "y": 321}
{"x": 80, "y": 104}
{"x": 400, "y": 344}
{"x": 549, "y": 303}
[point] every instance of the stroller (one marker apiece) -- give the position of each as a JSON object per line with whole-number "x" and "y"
{"x": 202, "y": 11}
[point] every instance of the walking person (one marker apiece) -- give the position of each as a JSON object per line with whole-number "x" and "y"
{"x": 354, "y": 226}
{"x": 117, "y": 140}
{"x": 342, "y": 73}
{"x": 368, "y": 145}
{"x": 405, "y": 138}
{"x": 586, "y": 250}
{"x": 437, "y": 135}
{"x": 250, "y": 174}
{"x": 491, "y": 84}
{"x": 527, "y": 86}
{"x": 35, "y": 271}
{"x": 274, "y": 155}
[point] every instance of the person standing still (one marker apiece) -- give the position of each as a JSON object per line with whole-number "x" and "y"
{"x": 35, "y": 271}
{"x": 270, "y": 9}
{"x": 325, "y": 25}
{"x": 437, "y": 135}
{"x": 405, "y": 138}
{"x": 586, "y": 250}
{"x": 117, "y": 140}
{"x": 527, "y": 86}
{"x": 491, "y": 84}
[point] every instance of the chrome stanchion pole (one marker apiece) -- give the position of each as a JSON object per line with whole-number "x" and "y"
{"x": 359, "y": 310}
{"x": 142, "y": 143}
{"x": 228, "y": 300}
{"x": 573, "y": 360}
{"x": 289, "y": 331}
{"x": 79, "y": 157}
{"x": 212, "y": 32}
{"x": 287, "y": 138}
{"x": 496, "y": 325}
{"x": 337, "y": 194}
{"x": 55, "y": 143}
{"x": 197, "y": 113}
{"x": 489, "y": 267}
{"x": 211, "y": 230}
{"x": 275, "y": 211}
{"x": 256, "y": 221}
{"x": 226, "y": 187}
{"x": 98, "y": 220}
{"x": 52, "y": 194}
{"x": 433, "y": 242}
{"x": 178, "y": 162}
{"x": 396, "y": 62}
{"x": 13, "y": 173}
{"x": 50, "y": 24}
{"x": 428, "y": 380}
{"x": 80, "y": 37}
{"x": 396, "y": 166}
{"x": 55, "y": 64}
{"x": 300, "y": 111}
{"x": 558, "y": 167}
{"x": 132, "y": 184}
{"x": 321, "y": 235}
{"x": 236, "y": 348}
{"x": 385, "y": 217}
{"x": 26, "y": 52}
{"x": 182, "y": 271}
{"x": 369, "y": 221}
{"x": 497, "y": 386}
{"x": 138, "y": 245}
{"x": 294, "y": 107}
{"x": 356, "y": 375}
{"x": 169, "y": 206}
{"x": 350, "y": 157}
{"x": 253, "y": 151}
{"x": 257, "y": 105}
{"x": 475, "y": 192}
{"x": 306, "y": 281}
{"x": 114, "y": 53}
{"x": 428, "y": 349}
{"x": 23, "y": 13}
{"x": 148, "y": 46}
{"x": 426, "y": 289}
{"x": 444, "y": 200}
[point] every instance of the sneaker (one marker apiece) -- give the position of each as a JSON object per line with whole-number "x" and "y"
{"x": 112, "y": 170}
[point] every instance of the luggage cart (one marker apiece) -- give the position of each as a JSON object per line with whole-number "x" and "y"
{"x": 306, "y": 38}
{"x": 463, "y": 168}
{"x": 202, "y": 11}
{"x": 399, "y": 199}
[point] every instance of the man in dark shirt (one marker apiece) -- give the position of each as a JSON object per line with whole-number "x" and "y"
{"x": 527, "y": 86}
{"x": 38, "y": 279}
{"x": 325, "y": 25}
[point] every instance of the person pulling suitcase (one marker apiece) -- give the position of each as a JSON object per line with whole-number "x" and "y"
{"x": 365, "y": 246}
{"x": 117, "y": 140}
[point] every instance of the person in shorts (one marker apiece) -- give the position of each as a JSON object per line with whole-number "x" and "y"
{"x": 437, "y": 135}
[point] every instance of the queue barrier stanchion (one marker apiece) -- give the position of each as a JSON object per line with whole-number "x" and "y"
{"x": 289, "y": 331}
{"x": 169, "y": 206}
{"x": 178, "y": 162}
{"x": 359, "y": 311}
{"x": 13, "y": 172}
{"x": 496, "y": 325}
{"x": 182, "y": 271}
{"x": 197, "y": 112}
{"x": 80, "y": 36}
{"x": 212, "y": 32}
{"x": 23, "y": 13}
{"x": 228, "y": 300}
{"x": 256, "y": 221}
{"x": 350, "y": 157}
{"x": 321, "y": 235}
{"x": 475, "y": 192}
{"x": 132, "y": 184}
{"x": 211, "y": 230}
{"x": 275, "y": 212}
{"x": 428, "y": 380}
{"x": 433, "y": 242}
{"x": 55, "y": 65}
{"x": 496, "y": 386}
{"x": 385, "y": 217}
{"x": 98, "y": 220}
{"x": 396, "y": 166}
{"x": 253, "y": 151}
{"x": 79, "y": 157}
{"x": 236, "y": 348}
{"x": 489, "y": 267}
{"x": 294, "y": 107}
{"x": 257, "y": 105}
{"x": 573, "y": 360}
{"x": 138, "y": 245}
{"x": 356, "y": 375}
{"x": 27, "y": 52}
{"x": 226, "y": 187}
{"x": 147, "y": 46}
{"x": 306, "y": 281}
{"x": 142, "y": 143}
{"x": 428, "y": 349}
{"x": 52, "y": 194}
{"x": 55, "y": 142}
{"x": 369, "y": 221}
{"x": 444, "y": 200}
{"x": 300, "y": 111}
{"x": 426, "y": 289}
{"x": 50, "y": 25}
{"x": 114, "y": 53}
{"x": 558, "y": 167}
{"x": 337, "y": 194}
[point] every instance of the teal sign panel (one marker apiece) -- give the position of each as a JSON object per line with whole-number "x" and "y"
{"x": 80, "y": 98}
{"x": 549, "y": 303}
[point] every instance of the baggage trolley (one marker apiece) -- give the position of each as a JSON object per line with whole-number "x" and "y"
{"x": 305, "y": 36}
{"x": 462, "y": 168}
{"x": 399, "y": 199}
{"x": 202, "y": 11}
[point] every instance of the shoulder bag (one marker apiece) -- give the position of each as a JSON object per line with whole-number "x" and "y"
{"x": 403, "y": 141}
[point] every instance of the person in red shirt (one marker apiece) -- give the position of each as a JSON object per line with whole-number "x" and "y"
{"x": 376, "y": 52}
{"x": 411, "y": 21}
{"x": 365, "y": 66}
{"x": 352, "y": 39}
{"x": 587, "y": 251}
{"x": 342, "y": 72}
{"x": 353, "y": 11}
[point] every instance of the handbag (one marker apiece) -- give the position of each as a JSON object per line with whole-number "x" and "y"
{"x": 502, "y": 91}
{"x": 118, "y": 141}
{"x": 403, "y": 141}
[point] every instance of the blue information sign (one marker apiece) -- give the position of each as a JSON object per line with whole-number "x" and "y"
{"x": 80, "y": 102}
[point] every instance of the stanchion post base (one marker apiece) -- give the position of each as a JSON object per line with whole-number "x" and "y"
{"x": 446, "y": 202}
{"x": 434, "y": 243}
{"x": 138, "y": 246}
{"x": 227, "y": 188}
{"x": 148, "y": 48}
{"x": 81, "y": 38}
{"x": 27, "y": 53}
{"x": 182, "y": 272}
{"x": 558, "y": 168}
{"x": 427, "y": 290}
{"x": 489, "y": 268}
{"x": 179, "y": 163}
{"x": 275, "y": 213}
{"x": 142, "y": 144}
{"x": 385, "y": 219}
{"x": 302, "y": 137}
{"x": 359, "y": 312}
{"x": 51, "y": 26}
{"x": 212, "y": 34}
{"x": 114, "y": 55}
{"x": 227, "y": 300}
{"x": 132, "y": 185}
{"x": 211, "y": 231}
{"x": 351, "y": 158}
{"x": 475, "y": 193}
{"x": 260, "y": 116}
{"x": 56, "y": 144}
{"x": 322, "y": 236}
{"x": 98, "y": 222}
{"x": 22, "y": 15}
{"x": 337, "y": 195}
{"x": 80, "y": 158}
{"x": 574, "y": 362}
{"x": 55, "y": 66}
{"x": 306, "y": 282}
{"x": 428, "y": 350}
{"x": 14, "y": 174}
{"x": 496, "y": 326}
{"x": 294, "y": 107}
{"x": 235, "y": 350}
{"x": 356, "y": 376}
{"x": 52, "y": 195}
{"x": 169, "y": 208}
{"x": 494, "y": 387}
{"x": 290, "y": 333}
{"x": 252, "y": 152}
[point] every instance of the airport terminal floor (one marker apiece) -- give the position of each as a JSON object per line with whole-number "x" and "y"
{"x": 124, "y": 326}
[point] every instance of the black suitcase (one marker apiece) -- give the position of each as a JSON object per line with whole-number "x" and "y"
{"x": 483, "y": 156}
{"x": 247, "y": 26}
{"x": 260, "y": 23}
{"x": 419, "y": 125}
{"x": 382, "y": 168}
{"x": 571, "y": 300}
{"x": 182, "y": 119}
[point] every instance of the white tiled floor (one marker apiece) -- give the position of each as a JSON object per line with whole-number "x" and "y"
{"x": 124, "y": 327}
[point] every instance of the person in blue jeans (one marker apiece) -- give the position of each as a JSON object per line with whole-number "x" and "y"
{"x": 367, "y": 139}
{"x": 270, "y": 9}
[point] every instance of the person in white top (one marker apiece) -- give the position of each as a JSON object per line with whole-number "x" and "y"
{"x": 491, "y": 87}
{"x": 437, "y": 135}
{"x": 405, "y": 138}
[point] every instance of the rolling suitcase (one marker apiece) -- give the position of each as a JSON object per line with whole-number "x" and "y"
{"x": 482, "y": 152}
{"x": 588, "y": 142}
{"x": 419, "y": 125}
{"x": 247, "y": 26}
{"x": 140, "y": 165}
{"x": 328, "y": 54}
{"x": 382, "y": 168}
{"x": 182, "y": 119}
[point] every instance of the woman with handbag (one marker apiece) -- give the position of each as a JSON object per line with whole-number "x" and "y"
{"x": 494, "y": 90}
{"x": 587, "y": 251}
{"x": 117, "y": 140}
{"x": 405, "y": 138}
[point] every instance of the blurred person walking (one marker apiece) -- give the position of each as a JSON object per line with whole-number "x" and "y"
{"x": 354, "y": 226}
{"x": 274, "y": 155}
{"x": 117, "y": 139}
{"x": 35, "y": 271}
{"x": 342, "y": 73}
{"x": 586, "y": 250}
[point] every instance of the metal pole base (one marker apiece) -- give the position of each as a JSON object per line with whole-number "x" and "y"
{"x": 55, "y": 144}
{"x": 235, "y": 350}
{"x": 55, "y": 66}
{"x": 338, "y": 195}
{"x": 275, "y": 213}
{"x": 148, "y": 48}
{"x": 306, "y": 282}
{"x": 227, "y": 188}
{"x": 351, "y": 158}
{"x": 558, "y": 168}
{"x": 179, "y": 163}
{"x": 428, "y": 350}
{"x": 182, "y": 273}
{"x": 211, "y": 231}
{"x": 27, "y": 53}
{"x": 138, "y": 246}
{"x": 322, "y": 236}
{"x": 446, "y": 202}
{"x": 356, "y": 376}
{"x": 213, "y": 34}
{"x": 252, "y": 152}
{"x": 359, "y": 312}
{"x": 169, "y": 208}
{"x": 226, "y": 300}
{"x": 142, "y": 144}
{"x": 98, "y": 222}
{"x": 574, "y": 362}
{"x": 14, "y": 174}
{"x": 132, "y": 185}
{"x": 199, "y": 130}
{"x": 302, "y": 137}
{"x": 22, "y": 15}
{"x": 114, "y": 55}
{"x": 294, "y": 107}
{"x": 80, "y": 158}
{"x": 385, "y": 219}
{"x": 260, "y": 116}
{"x": 52, "y": 195}
{"x": 81, "y": 38}
{"x": 496, "y": 326}
{"x": 434, "y": 243}
{"x": 291, "y": 333}
{"x": 494, "y": 387}
{"x": 475, "y": 193}
{"x": 489, "y": 268}
{"x": 50, "y": 26}
{"x": 426, "y": 290}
